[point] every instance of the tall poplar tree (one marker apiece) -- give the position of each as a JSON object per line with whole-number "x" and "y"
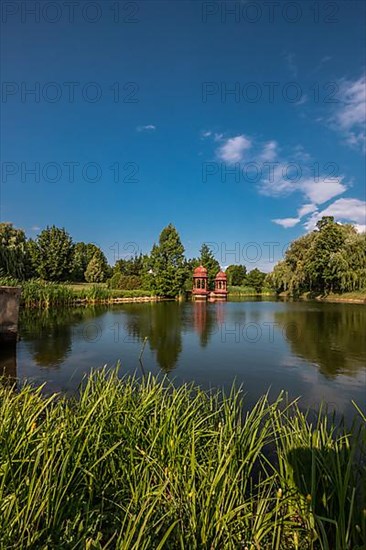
{"x": 166, "y": 264}
{"x": 208, "y": 260}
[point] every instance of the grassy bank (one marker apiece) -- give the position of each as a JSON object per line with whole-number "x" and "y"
{"x": 141, "y": 466}
{"x": 36, "y": 293}
{"x": 249, "y": 291}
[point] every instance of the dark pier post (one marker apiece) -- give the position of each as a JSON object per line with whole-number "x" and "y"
{"x": 9, "y": 314}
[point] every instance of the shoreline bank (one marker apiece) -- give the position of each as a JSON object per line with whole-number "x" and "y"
{"x": 346, "y": 298}
{"x": 341, "y": 299}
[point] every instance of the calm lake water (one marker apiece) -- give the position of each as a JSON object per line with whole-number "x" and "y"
{"x": 313, "y": 350}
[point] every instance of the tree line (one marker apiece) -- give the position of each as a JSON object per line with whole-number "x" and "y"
{"x": 53, "y": 256}
{"x": 332, "y": 258}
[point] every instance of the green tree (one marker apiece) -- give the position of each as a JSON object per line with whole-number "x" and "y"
{"x": 348, "y": 265}
{"x": 255, "y": 279}
{"x": 236, "y": 275}
{"x": 51, "y": 254}
{"x": 190, "y": 265}
{"x": 332, "y": 258}
{"x": 130, "y": 266}
{"x": 78, "y": 262}
{"x": 81, "y": 257}
{"x": 208, "y": 260}
{"x": 166, "y": 271}
{"x": 329, "y": 240}
{"x": 14, "y": 253}
{"x": 94, "y": 273}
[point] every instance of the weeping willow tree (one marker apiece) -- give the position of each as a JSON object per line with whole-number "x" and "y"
{"x": 349, "y": 264}
{"x": 14, "y": 258}
{"x": 332, "y": 258}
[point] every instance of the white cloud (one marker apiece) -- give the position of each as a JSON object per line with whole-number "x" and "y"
{"x": 283, "y": 176}
{"x": 206, "y": 134}
{"x": 343, "y": 210}
{"x": 233, "y": 149}
{"x": 287, "y": 222}
{"x": 306, "y": 209}
{"x": 360, "y": 228}
{"x": 322, "y": 191}
{"x": 350, "y": 114}
{"x": 146, "y": 128}
{"x": 35, "y": 228}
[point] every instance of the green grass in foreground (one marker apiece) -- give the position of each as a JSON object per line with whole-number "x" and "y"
{"x": 140, "y": 466}
{"x": 44, "y": 294}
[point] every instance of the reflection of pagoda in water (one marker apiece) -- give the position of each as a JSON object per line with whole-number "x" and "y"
{"x": 200, "y": 290}
{"x": 207, "y": 319}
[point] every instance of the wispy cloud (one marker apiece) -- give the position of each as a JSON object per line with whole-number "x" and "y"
{"x": 269, "y": 152}
{"x": 304, "y": 99}
{"x": 325, "y": 59}
{"x": 146, "y": 128}
{"x": 306, "y": 209}
{"x": 349, "y": 116}
{"x": 280, "y": 176}
{"x": 291, "y": 171}
{"x": 281, "y": 181}
{"x": 210, "y": 134}
{"x": 291, "y": 64}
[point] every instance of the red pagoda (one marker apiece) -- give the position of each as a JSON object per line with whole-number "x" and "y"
{"x": 200, "y": 285}
{"x": 199, "y": 290}
{"x": 221, "y": 286}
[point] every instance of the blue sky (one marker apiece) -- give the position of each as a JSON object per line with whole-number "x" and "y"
{"x": 239, "y": 122}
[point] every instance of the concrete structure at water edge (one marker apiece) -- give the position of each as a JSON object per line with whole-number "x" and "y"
{"x": 9, "y": 313}
{"x": 200, "y": 289}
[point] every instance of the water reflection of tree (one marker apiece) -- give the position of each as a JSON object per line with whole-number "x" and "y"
{"x": 161, "y": 324}
{"x": 330, "y": 336}
{"x": 48, "y": 333}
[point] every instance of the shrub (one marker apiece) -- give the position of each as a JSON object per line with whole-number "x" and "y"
{"x": 125, "y": 282}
